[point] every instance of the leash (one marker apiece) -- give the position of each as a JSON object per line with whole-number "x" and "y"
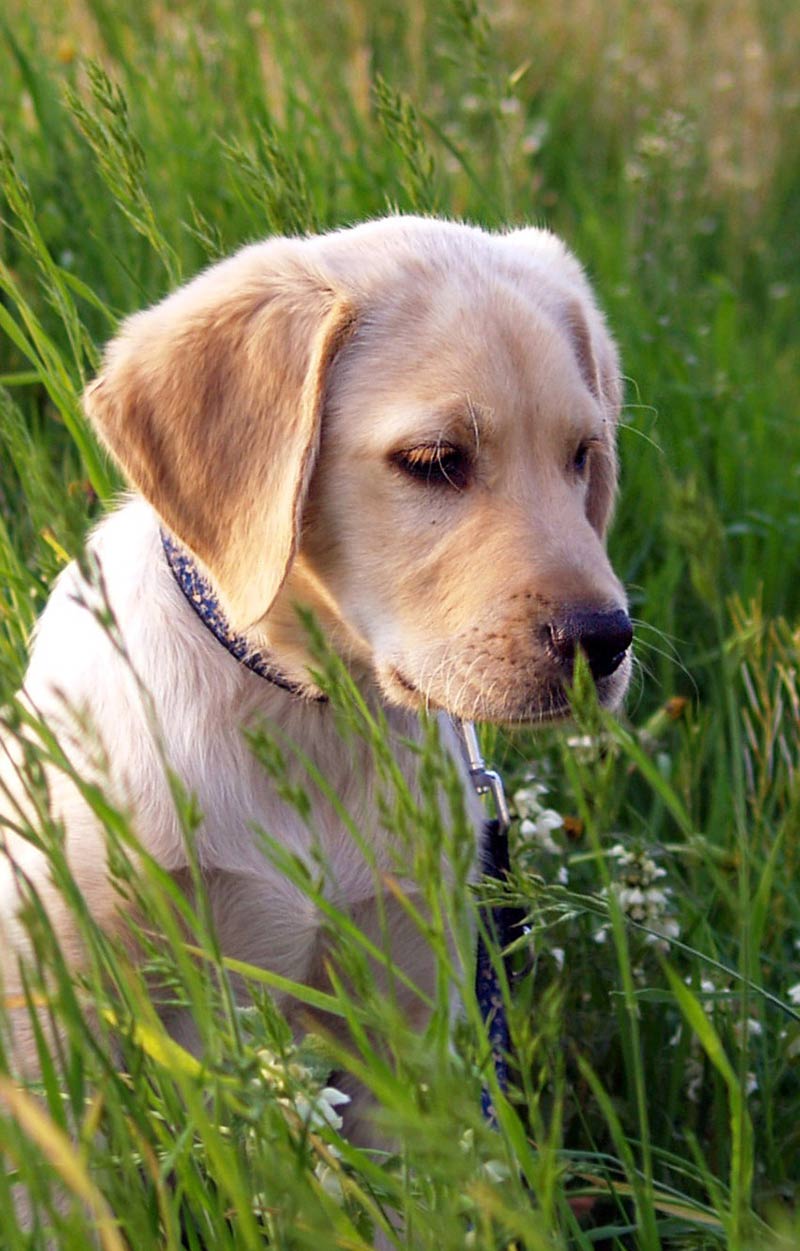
{"x": 500, "y": 921}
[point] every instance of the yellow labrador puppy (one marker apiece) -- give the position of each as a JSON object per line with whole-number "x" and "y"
{"x": 407, "y": 427}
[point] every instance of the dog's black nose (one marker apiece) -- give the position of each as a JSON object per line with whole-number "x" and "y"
{"x": 604, "y": 637}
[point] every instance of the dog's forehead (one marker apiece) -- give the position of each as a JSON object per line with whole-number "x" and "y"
{"x": 458, "y": 347}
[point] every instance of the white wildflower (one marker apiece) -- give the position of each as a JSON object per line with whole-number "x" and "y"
{"x": 296, "y": 1088}
{"x": 549, "y": 819}
{"x": 330, "y": 1181}
{"x": 528, "y": 799}
{"x": 634, "y": 171}
{"x": 694, "y": 1078}
{"x": 536, "y": 821}
{"x": 631, "y": 900}
{"x": 540, "y": 829}
{"x": 719, "y": 999}
{"x": 319, "y": 1111}
{"x": 793, "y": 995}
{"x": 653, "y": 145}
{"x": 535, "y": 137}
{"x": 496, "y": 1170}
{"x": 656, "y": 900}
{"x": 639, "y": 897}
{"x": 664, "y": 929}
{"x": 585, "y": 747}
{"x": 793, "y": 1049}
{"x": 746, "y": 1028}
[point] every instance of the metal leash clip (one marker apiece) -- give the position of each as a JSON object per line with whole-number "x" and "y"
{"x": 486, "y": 781}
{"x": 498, "y": 920}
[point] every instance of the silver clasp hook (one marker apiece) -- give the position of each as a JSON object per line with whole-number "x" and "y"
{"x": 486, "y": 781}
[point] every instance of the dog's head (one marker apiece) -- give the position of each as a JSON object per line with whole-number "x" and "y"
{"x": 409, "y": 426}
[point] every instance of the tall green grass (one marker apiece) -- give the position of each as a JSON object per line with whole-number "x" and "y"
{"x": 656, "y": 1099}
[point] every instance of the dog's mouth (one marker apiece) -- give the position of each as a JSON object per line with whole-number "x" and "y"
{"x": 397, "y": 676}
{"x": 549, "y": 704}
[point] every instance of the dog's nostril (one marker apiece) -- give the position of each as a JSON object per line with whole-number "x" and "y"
{"x": 559, "y": 639}
{"x": 604, "y": 637}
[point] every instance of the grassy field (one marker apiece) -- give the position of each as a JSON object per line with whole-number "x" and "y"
{"x": 656, "y": 1099}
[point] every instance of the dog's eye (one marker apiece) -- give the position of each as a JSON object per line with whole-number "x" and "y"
{"x": 580, "y": 460}
{"x": 436, "y": 464}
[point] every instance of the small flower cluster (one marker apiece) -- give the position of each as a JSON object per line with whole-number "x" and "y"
{"x": 716, "y": 999}
{"x": 309, "y": 1104}
{"x": 640, "y": 898}
{"x": 670, "y": 144}
{"x": 299, "y": 1094}
{"x": 537, "y": 822}
{"x": 638, "y": 889}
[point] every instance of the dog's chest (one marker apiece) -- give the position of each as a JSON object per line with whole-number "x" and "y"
{"x": 280, "y": 869}
{"x": 294, "y": 788}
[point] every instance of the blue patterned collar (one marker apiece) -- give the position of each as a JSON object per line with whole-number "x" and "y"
{"x": 200, "y": 595}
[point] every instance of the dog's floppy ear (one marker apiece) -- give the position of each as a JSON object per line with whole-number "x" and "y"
{"x": 211, "y": 403}
{"x": 573, "y": 305}
{"x": 599, "y": 366}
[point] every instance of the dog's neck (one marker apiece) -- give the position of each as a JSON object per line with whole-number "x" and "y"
{"x": 273, "y": 648}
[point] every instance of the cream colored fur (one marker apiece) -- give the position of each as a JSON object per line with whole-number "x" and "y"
{"x": 262, "y": 413}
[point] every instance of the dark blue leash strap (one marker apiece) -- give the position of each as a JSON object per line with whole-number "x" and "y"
{"x": 503, "y": 925}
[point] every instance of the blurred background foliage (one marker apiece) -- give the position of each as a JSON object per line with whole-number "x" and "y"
{"x": 143, "y": 141}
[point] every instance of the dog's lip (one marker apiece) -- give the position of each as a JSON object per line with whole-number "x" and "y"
{"x": 538, "y": 715}
{"x": 398, "y": 676}
{"x": 551, "y": 708}
{"x": 421, "y": 701}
